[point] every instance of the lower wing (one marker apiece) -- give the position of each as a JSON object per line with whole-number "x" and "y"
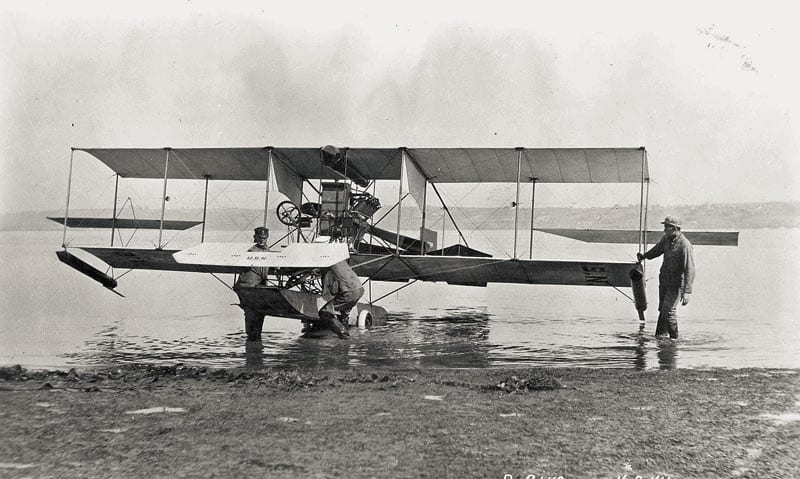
{"x": 480, "y": 271}
{"x": 469, "y": 271}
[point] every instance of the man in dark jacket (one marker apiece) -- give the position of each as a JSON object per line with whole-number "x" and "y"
{"x": 341, "y": 284}
{"x": 676, "y": 276}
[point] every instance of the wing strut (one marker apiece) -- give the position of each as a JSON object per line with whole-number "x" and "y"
{"x": 533, "y": 198}
{"x": 69, "y": 190}
{"x": 646, "y": 208}
{"x": 637, "y": 284}
{"x": 400, "y": 198}
{"x": 422, "y": 227}
{"x": 266, "y": 193}
{"x": 516, "y": 199}
{"x": 114, "y": 213}
{"x": 164, "y": 198}
{"x": 205, "y": 209}
{"x": 643, "y": 204}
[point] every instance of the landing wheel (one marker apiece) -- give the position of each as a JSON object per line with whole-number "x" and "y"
{"x": 288, "y": 213}
{"x": 364, "y": 319}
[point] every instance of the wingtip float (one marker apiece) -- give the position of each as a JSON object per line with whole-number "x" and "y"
{"x": 82, "y": 266}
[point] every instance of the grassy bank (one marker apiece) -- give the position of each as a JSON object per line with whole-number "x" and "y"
{"x": 188, "y": 422}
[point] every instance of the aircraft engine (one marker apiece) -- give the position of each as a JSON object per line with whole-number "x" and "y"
{"x": 336, "y": 160}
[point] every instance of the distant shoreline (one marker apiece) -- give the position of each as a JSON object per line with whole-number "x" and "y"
{"x": 696, "y": 217}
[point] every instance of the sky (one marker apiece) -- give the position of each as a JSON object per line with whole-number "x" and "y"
{"x": 710, "y": 90}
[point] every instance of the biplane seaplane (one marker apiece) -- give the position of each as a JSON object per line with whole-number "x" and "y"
{"x": 332, "y": 225}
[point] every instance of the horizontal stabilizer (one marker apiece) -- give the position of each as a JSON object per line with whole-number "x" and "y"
{"x": 367, "y": 248}
{"x": 706, "y": 238}
{"x": 459, "y": 250}
{"x": 125, "y": 223}
{"x": 410, "y": 245}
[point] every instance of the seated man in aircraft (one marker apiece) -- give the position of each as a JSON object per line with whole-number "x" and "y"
{"x": 260, "y": 237}
{"x": 341, "y": 284}
{"x": 254, "y": 277}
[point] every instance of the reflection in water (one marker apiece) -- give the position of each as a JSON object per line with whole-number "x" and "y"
{"x": 457, "y": 338}
{"x": 61, "y": 322}
{"x": 453, "y": 338}
{"x": 666, "y": 350}
{"x": 667, "y": 353}
{"x": 640, "y": 359}
{"x": 254, "y": 357}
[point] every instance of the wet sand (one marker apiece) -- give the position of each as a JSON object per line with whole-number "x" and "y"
{"x": 194, "y": 422}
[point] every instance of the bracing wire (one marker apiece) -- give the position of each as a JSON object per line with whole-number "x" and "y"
{"x": 623, "y": 293}
{"x": 479, "y": 226}
{"x": 221, "y": 281}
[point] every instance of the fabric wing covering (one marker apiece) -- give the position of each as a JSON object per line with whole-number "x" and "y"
{"x": 453, "y": 270}
{"x": 438, "y": 165}
{"x": 285, "y": 181}
{"x": 480, "y": 271}
{"x": 414, "y": 182}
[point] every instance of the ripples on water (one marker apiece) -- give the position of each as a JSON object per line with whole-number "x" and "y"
{"x": 743, "y": 314}
{"x": 455, "y": 338}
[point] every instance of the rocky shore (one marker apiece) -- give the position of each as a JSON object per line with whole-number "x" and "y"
{"x": 183, "y": 421}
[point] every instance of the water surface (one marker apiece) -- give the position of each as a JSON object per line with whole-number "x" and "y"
{"x": 743, "y": 314}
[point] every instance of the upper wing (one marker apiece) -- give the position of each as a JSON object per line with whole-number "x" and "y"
{"x": 480, "y": 271}
{"x": 439, "y": 165}
{"x": 546, "y": 165}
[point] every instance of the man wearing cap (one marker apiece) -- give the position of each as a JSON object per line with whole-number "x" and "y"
{"x": 252, "y": 278}
{"x": 676, "y": 276}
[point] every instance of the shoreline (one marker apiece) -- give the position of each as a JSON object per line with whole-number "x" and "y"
{"x": 140, "y": 420}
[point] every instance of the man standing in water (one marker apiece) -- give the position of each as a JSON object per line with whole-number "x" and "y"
{"x": 252, "y": 278}
{"x": 676, "y": 276}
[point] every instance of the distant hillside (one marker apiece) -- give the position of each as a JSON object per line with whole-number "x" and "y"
{"x": 708, "y": 216}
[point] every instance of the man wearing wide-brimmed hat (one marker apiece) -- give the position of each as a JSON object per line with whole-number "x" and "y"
{"x": 676, "y": 276}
